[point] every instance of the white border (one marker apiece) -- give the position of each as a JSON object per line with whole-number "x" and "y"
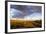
{"x": 29, "y": 29}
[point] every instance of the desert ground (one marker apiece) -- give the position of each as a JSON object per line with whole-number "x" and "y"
{"x": 15, "y": 24}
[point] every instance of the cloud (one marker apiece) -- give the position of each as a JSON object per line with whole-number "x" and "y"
{"x": 15, "y": 12}
{"x": 34, "y": 16}
{"x": 25, "y": 11}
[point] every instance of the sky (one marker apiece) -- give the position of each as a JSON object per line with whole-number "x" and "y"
{"x": 26, "y": 12}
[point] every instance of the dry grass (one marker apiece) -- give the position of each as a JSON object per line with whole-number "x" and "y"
{"x": 25, "y": 24}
